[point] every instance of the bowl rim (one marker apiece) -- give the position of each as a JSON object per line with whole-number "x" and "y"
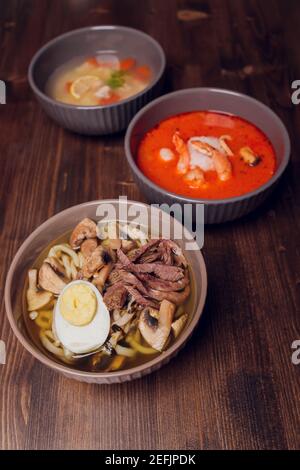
{"x": 63, "y": 36}
{"x": 76, "y": 373}
{"x": 179, "y": 198}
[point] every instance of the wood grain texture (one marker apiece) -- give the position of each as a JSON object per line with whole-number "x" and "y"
{"x": 233, "y": 386}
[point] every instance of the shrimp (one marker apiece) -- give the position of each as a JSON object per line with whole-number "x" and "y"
{"x": 221, "y": 162}
{"x": 184, "y": 156}
{"x": 195, "y": 178}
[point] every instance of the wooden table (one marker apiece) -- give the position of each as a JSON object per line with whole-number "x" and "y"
{"x": 234, "y": 385}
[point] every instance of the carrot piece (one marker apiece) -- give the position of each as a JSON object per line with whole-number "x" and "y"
{"x": 68, "y": 86}
{"x": 143, "y": 72}
{"x": 113, "y": 98}
{"x": 127, "y": 64}
{"x": 92, "y": 61}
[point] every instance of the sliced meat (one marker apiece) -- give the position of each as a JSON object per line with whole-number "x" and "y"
{"x": 167, "y": 273}
{"x": 143, "y": 249}
{"x": 128, "y": 245}
{"x": 140, "y": 299}
{"x": 150, "y": 256}
{"x": 115, "y": 296}
{"x": 114, "y": 276}
{"x": 165, "y": 252}
{"x": 165, "y": 286}
{"x": 123, "y": 258}
{"x": 132, "y": 280}
{"x": 176, "y": 298}
{"x": 177, "y": 251}
{"x": 132, "y": 253}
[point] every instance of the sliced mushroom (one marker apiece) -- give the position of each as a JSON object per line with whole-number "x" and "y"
{"x": 56, "y": 266}
{"x": 156, "y": 330}
{"x": 88, "y": 246}
{"x": 50, "y": 280}
{"x": 100, "y": 278}
{"x": 117, "y": 333}
{"x": 95, "y": 261}
{"x": 124, "y": 319}
{"x": 175, "y": 297}
{"x": 249, "y": 156}
{"x": 178, "y": 325}
{"x": 85, "y": 229}
{"x": 116, "y": 314}
{"x": 109, "y": 235}
{"x": 36, "y": 299}
{"x": 113, "y": 243}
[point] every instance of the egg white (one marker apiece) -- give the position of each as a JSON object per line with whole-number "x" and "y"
{"x": 87, "y": 338}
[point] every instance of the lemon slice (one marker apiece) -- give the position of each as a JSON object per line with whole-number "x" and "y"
{"x": 83, "y": 84}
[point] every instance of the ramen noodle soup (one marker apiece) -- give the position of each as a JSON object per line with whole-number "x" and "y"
{"x": 207, "y": 155}
{"x": 107, "y": 298}
{"x": 100, "y": 80}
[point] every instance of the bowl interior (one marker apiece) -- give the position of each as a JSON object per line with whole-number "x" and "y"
{"x": 51, "y": 230}
{"x": 90, "y": 41}
{"x": 209, "y": 99}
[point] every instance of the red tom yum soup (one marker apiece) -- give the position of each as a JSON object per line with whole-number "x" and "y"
{"x": 206, "y": 155}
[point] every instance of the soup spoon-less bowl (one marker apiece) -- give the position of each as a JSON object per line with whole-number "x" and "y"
{"x": 54, "y": 228}
{"x": 86, "y": 42}
{"x": 218, "y": 100}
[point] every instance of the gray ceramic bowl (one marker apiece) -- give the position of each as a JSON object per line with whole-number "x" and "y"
{"x": 195, "y": 99}
{"x": 51, "y": 230}
{"x": 96, "y": 120}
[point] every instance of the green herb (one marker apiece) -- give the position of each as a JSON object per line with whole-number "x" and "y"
{"x": 117, "y": 79}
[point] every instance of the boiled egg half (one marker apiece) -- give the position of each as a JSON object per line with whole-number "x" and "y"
{"x": 81, "y": 319}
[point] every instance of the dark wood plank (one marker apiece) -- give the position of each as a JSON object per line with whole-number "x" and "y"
{"x": 233, "y": 386}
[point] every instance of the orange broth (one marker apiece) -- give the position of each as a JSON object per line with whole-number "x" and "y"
{"x": 206, "y": 123}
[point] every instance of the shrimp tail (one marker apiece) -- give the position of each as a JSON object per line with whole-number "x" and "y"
{"x": 221, "y": 162}
{"x": 184, "y": 156}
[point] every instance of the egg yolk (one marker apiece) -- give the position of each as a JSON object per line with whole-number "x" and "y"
{"x": 78, "y": 305}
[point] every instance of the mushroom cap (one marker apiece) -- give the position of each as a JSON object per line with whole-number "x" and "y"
{"x": 85, "y": 229}
{"x": 98, "y": 258}
{"x": 36, "y": 299}
{"x": 88, "y": 246}
{"x": 156, "y": 330}
{"x": 49, "y": 280}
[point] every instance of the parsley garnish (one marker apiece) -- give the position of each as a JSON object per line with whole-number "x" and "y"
{"x": 117, "y": 79}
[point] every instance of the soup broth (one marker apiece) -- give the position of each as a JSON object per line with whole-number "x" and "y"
{"x": 132, "y": 349}
{"x": 99, "y": 80}
{"x": 206, "y": 155}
